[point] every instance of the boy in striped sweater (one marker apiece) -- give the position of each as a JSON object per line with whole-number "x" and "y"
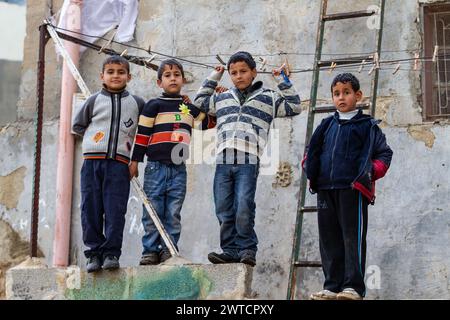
{"x": 244, "y": 114}
{"x": 164, "y": 133}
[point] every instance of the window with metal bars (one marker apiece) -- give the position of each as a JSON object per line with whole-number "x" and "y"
{"x": 437, "y": 70}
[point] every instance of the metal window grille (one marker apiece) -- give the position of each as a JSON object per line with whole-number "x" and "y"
{"x": 437, "y": 30}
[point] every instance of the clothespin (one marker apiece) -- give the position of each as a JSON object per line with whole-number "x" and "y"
{"x": 149, "y": 49}
{"x": 435, "y": 53}
{"x": 109, "y": 41}
{"x": 288, "y": 66}
{"x": 371, "y": 70}
{"x": 124, "y": 52}
{"x": 220, "y": 60}
{"x": 263, "y": 63}
{"x": 362, "y": 66}
{"x": 416, "y": 60}
{"x": 396, "y": 69}
{"x": 376, "y": 59}
{"x": 152, "y": 58}
{"x": 332, "y": 67}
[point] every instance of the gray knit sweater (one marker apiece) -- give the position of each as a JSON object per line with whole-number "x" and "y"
{"x": 108, "y": 122}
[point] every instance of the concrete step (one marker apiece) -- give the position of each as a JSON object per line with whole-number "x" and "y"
{"x": 161, "y": 282}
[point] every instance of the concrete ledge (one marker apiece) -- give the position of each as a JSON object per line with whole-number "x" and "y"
{"x": 35, "y": 281}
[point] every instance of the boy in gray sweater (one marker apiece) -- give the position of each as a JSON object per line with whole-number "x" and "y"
{"x": 107, "y": 122}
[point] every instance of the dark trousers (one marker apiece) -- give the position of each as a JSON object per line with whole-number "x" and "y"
{"x": 342, "y": 218}
{"x": 105, "y": 187}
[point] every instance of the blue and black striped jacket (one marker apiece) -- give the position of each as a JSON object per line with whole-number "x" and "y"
{"x": 243, "y": 123}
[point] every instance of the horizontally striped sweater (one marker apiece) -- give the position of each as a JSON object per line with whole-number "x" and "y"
{"x": 164, "y": 129}
{"x": 243, "y": 124}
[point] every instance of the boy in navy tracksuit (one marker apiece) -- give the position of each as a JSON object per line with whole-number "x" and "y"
{"x": 107, "y": 121}
{"x": 346, "y": 154}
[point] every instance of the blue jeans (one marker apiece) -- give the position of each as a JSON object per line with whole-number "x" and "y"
{"x": 165, "y": 187}
{"x": 234, "y": 198}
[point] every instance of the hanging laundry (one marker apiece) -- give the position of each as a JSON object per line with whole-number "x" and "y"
{"x": 98, "y": 17}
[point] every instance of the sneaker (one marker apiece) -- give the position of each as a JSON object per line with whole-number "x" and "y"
{"x": 248, "y": 259}
{"x": 111, "y": 263}
{"x": 93, "y": 264}
{"x": 218, "y": 258}
{"x": 164, "y": 255}
{"x": 323, "y": 295}
{"x": 151, "y": 258}
{"x": 349, "y": 294}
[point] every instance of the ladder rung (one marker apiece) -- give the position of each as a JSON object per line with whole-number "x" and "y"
{"x": 332, "y": 108}
{"x": 309, "y": 209}
{"x": 344, "y": 61}
{"x": 348, "y": 15}
{"x": 306, "y": 264}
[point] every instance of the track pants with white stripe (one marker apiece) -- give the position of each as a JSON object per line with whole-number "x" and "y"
{"x": 342, "y": 219}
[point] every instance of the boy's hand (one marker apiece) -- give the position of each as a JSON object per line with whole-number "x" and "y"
{"x": 186, "y": 99}
{"x": 277, "y": 72}
{"x": 220, "y": 68}
{"x": 220, "y": 89}
{"x": 133, "y": 168}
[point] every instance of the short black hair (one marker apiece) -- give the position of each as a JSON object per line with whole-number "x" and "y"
{"x": 116, "y": 60}
{"x": 242, "y": 56}
{"x": 169, "y": 62}
{"x": 344, "y": 78}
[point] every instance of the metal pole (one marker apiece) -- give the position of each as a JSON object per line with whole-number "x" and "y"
{"x": 43, "y": 38}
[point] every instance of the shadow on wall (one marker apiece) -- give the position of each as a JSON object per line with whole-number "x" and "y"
{"x": 13, "y": 251}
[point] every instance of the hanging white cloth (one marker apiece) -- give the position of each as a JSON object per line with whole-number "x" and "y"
{"x": 101, "y": 16}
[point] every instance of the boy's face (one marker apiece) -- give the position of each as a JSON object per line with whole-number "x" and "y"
{"x": 115, "y": 76}
{"x": 344, "y": 98}
{"x": 241, "y": 75}
{"x": 171, "y": 80}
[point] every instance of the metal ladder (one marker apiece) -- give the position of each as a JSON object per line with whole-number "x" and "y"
{"x": 320, "y": 65}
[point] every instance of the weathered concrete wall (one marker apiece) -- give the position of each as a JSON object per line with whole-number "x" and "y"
{"x": 9, "y": 90}
{"x": 408, "y": 226}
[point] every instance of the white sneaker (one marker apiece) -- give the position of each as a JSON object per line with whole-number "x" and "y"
{"x": 323, "y": 295}
{"x": 349, "y": 294}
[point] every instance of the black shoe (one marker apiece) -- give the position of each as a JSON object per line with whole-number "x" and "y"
{"x": 217, "y": 258}
{"x": 151, "y": 258}
{"x": 94, "y": 263}
{"x": 111, "y": 263}
{"x": 248, "y": 259}
{"x": 164, "y": 255}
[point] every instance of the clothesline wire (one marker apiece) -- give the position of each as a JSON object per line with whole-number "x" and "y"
{"x": 205, "y": 65}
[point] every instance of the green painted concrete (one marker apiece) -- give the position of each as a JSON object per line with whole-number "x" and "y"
{"x": 171, "y": 284}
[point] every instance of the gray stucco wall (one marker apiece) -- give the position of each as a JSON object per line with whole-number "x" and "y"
{"x": 408, "y": 255}
{"x": 9, "y": 90}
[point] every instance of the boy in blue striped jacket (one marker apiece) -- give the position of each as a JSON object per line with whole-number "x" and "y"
{"x": 244, "y": 114}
